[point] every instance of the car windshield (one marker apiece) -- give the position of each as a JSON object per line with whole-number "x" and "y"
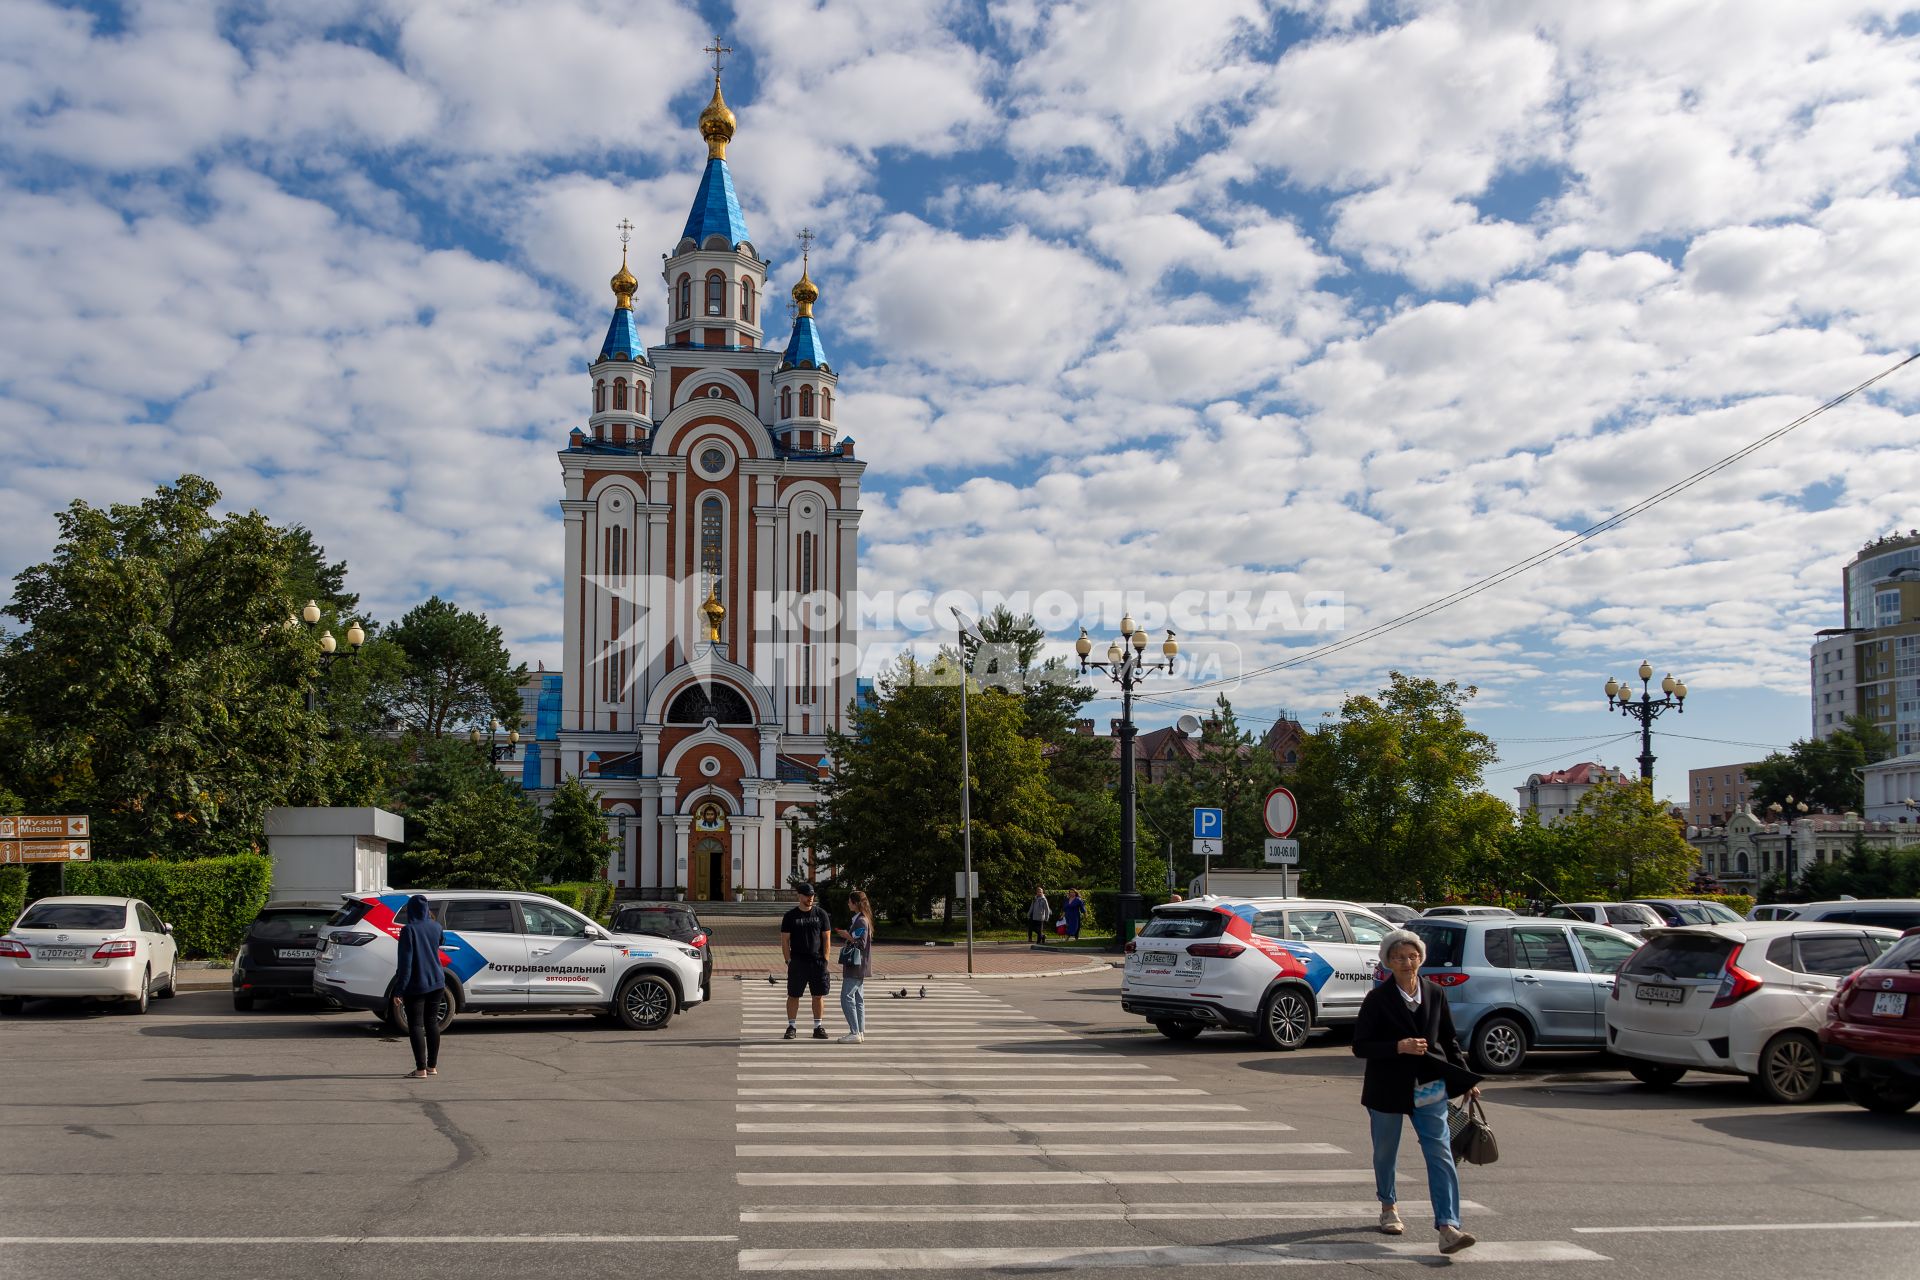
{"x": 1444, "y": 941}
{"x": 1704, "y": 913}
{"x": 1905, "y": 955}
{"x": 1185, "y": 924}
{"x": 655, "y": 922}
{"x": 1681, "y": 956}
{"x": 280, "y": 926}
{"x": 73, "y": 915}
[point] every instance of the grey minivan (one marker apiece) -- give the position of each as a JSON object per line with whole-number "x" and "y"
{"x": 1518, "y": 983}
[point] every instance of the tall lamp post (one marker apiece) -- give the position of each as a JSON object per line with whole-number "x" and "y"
{"x": 969, "y": 633}
{"x": 1126, "y": 666}
{"x": 496, "y": 751}
{"x": 1647, "y": 709}
{"x": 356, "y": 636}
{"x": 1791, "y": 809}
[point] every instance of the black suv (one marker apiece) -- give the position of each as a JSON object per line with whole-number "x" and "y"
{"x": 276, "y": 959}
{"x": 674, "y": 920}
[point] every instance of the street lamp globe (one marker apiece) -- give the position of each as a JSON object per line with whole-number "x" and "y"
{"x": 1126, "y": 624}
{"x": 356, "y": 635}
{"x": 1113, "y": 652}
{"x": 1084, "y": 645}
{"x": 1669, "y": 684}
{"x": 1646, "y": 669}
{"x": 1171, "y": 648}
{"x": 311, "y": 614}
{"x": 327, "y": 643}
{"x": 1613, "y": 688}
{"x": 1140, "y": 641}
{"x": 1680, "y": 690}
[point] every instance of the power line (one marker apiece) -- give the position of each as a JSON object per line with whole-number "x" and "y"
{"x": 1558, "y": 549}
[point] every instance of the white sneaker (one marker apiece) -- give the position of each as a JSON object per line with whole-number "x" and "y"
{"x": 853, "y": 1038}
{"x": 1390, "y": 1223}
{"x": 1453, "y": 1240}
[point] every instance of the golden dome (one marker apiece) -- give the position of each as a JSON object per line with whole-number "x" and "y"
{"x": 806, "y": 293}
{"x": 716, "y": 124}
{"x": 623, "y": 284}
{"x": 715, "y": 612}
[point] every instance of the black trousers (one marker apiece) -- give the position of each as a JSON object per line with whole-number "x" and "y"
{"x": 423, "y": 1027}
{"x": 1036, "y": 930}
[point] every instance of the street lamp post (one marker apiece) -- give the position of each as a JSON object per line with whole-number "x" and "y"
{"x": 1126, "y": 666}
{"x": 969, "y": 633}
{"x": 356, "y": 636}
{"x": 1647, "y": 709}
{"x": 1790, "y": 809}
{"x": 496, "y": 751}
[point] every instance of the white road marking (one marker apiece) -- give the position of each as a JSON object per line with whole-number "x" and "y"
{"x": 383, "y": 1241}
{"x": 1156, "y": 1211}
{"x": 1066, "y": 1178}
{"x": 990, "y": 1108}
{"x": 957, "y": 1073}
{"x": 1010, "y": 1126}
{"x": 845, "y": 1091}
{"x": 1318, "y": 1253}
{"x": 962, "y": 1064}
{"x": 1751, "y": 1226}
{"x": 1025, "y": 1150}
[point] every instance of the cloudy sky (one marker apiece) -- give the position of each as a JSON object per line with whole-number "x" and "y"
{"x": 1372, "y": 299}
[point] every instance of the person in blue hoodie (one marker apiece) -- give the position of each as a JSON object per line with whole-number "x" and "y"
{"x": 418, "y": 982}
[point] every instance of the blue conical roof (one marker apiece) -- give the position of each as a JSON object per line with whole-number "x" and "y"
{"x": 716, "y": 209}
{"x": 623, "y": 338}
{"x": 804, "y": 349}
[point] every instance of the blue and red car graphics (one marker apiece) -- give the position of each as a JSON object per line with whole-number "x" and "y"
{"x": 458, "y": 956}
{"x": 1293, "y": 959}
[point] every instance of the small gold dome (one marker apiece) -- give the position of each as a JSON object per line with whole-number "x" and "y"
{"x": 806, "y": 293}
{"x": 715, "y": 611}
{"x": 717, "y": 123}
{"x": 623, "y": 285}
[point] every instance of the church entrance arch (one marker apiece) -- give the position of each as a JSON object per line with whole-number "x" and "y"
{"x": 708, "y": 866}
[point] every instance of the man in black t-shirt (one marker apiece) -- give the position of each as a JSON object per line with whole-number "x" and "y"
{"x": 804, "y": 934}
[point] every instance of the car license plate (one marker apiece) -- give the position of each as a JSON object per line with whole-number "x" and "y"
{"x": 299, "y": 953}
{"x": 1157, "y": 957}
{"x": 1662, "y": 995}
{"x": 62, "y": 953}
{"x": 1889, "y": 1004}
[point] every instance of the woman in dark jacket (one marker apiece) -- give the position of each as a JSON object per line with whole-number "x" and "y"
{"x": 1405, "y": 1033}
{"x": 418, "y": 981}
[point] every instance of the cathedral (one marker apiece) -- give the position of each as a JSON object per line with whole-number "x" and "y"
{"x": 712, "y": 505}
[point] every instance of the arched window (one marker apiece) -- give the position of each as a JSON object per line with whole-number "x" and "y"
{"x": 718, "y": 702}
{"x": 716, "y": 294}
{"x": 806, "y": 575}
{"x": 826, "y": 403}
{"x": 1740, "y": 860}
{"x": 619, "y": 393}
{"x": 600, "y": 395}
{"x": 639, "y": 396}
{"x": 712, "y": 544}
{"x": 684, "y": 307}
{"x": 806, "y": 402}
{"x": 746, "y": 299}
{"x": 786, "y": 402}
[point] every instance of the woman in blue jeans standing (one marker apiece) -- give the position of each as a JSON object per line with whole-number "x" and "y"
{"x": 1405, "y": 1033}
{"x": 853, "y": 977}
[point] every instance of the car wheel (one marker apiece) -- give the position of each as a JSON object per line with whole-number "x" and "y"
{"x": 173, "y": 982}
{"x": 1876, "y": 1094}
{"x": 1499, "y": 1046}
{"x": 448, "y": 1006}
{"x": 1790, "y": 1069}
{"x": 140, "y": 1003}
{"x": 1286, "y": 1016}
{"x": 242, "y": 1003}
{"x": 11, "y": 1006}
{"x": 1179, "y": 1030}
{"x": 644, "y": 1002}
{"x": 1654, "y": 1074}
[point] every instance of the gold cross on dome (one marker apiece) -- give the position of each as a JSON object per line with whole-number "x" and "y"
{"x": 716, "y": 49}
{"x": 806, "y": 242}
{"x": 626, "y": 230}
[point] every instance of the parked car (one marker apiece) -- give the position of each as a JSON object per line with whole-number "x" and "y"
{"x": 1519, "y": 983}
{"x": 1872, "y": 1032}
{"x": 1737, "y": 999}
{"x": 1772, "y": 911}
{"x": 1679, "y": 911}
{"x": 1627, "y": 917}
{"x": 1468, "y": 911}
{"x": 1277, "y": 967}
{"x": 1887, "y": 913}
{"x": 88, "y": 948}
{"x": 674, "y": 920}
{"x": 509, "y": 952}
{"x": 1392, "y": 912}
{"x": 276, "y": 957}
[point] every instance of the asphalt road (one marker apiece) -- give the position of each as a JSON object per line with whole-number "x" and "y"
{"x": 1011, "y": 1126}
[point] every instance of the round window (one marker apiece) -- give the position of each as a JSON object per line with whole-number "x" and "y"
{"x": 713, "y": 461}
{"x": 715, "y": 393}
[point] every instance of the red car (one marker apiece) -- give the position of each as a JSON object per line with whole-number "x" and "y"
{"x": 1872, "y": 1033}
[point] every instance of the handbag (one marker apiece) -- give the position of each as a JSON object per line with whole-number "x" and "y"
{"x": 851, "y": 956}
{"x": 1473, "y": 1139}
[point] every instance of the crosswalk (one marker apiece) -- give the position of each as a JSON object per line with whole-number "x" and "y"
{"x": 966, "y": 1135}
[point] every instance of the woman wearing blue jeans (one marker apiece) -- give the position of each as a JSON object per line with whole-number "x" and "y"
{"x": 853, "y": 977}
{"x": 1403, "y": 1031}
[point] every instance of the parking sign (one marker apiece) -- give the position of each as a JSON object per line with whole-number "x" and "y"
{"x": 1209, "y": 824}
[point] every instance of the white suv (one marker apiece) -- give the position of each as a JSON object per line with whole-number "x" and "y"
{"x": 509, "y": 953}
{"x": 1741, "y": 999}
{"x": 1274, "y": 966}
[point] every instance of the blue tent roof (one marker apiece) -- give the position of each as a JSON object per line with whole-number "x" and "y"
{"x": 803, "y": 348}
{"x": 623, "y": 338}
{"x": 716, "y": 210}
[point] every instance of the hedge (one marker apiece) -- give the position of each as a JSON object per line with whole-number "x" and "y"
{"x": 591, "y": 898}
{"x": 209, "y": 903}
{"x": 13, "y": 894}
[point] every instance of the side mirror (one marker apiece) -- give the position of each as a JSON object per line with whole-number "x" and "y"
{"x": 167, "y": 928}
{"x": 708, "y": 930}
{"x": 596, "y": 932}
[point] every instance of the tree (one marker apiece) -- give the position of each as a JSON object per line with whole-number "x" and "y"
{"x": 158, "y": 685}
{"x": 485, "y": 838}
{"x": 889, "y": 817}
{"x": 1384, "y": 792}
{"x": 1822, "y": 771}
{"x": 1541, "y": 861}
{"x": 458, "y": 672}
{"x": 1629, "y": 842}
{"x": 575, "y": 831}
{"x": 1231, "y": 772}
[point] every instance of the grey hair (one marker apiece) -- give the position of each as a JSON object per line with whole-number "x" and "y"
{"x": 1402, "y": 938}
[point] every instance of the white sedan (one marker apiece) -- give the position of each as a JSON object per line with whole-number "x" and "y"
{"x": 88, "y": 949}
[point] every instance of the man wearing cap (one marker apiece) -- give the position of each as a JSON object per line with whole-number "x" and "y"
{"x": 804, "y": 933}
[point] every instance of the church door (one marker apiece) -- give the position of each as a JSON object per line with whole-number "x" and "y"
{"x": 709, "y": 865}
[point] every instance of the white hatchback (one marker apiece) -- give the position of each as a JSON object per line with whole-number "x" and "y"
{"x": 88, "y": 948}
{"x": 1736, "y": 999}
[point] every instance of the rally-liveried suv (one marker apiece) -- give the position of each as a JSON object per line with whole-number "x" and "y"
{"x": 508, "y": 953}
{"x": 1277, "y": 967}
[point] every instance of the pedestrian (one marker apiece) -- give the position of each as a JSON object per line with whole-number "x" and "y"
{"x": 1405, "y": 1033}
{"x": 1039, "y": 915}
{"x": 853, "y": 977}
{"x": 1075, "y": 908}
{"x": 419, "y": 983}
{"x": 804, "y": 933}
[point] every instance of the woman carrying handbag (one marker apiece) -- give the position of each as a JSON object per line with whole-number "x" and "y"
{"x": 856, "y": 966}
{"x": 1414, "y": 1064}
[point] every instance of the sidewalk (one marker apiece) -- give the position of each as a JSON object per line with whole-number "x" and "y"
{"x": 748, "y": 946}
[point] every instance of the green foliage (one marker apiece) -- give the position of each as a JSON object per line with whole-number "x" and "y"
{"x": 1863, "y": 873}
{"x": 209, "y": 902}
{"x": 1821, "y": 771}
{"x": 1629, "y": 844}
{"x": 457, "y": 671}
{"x": 1387, "y": 793}
{"x": 13, "y": 894}
{"x": 1541, "y": 861}
{"x": 1738, "y": 903}
{"x": 1232, "y": 772}
{"x": 484, "y": 838}
{"x": 575, "y": 834}
{"x": 591, "y": 898}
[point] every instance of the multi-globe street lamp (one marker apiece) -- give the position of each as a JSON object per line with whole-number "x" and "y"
{"x": 329, "y": 654}
{"x": 1647, "y": 708}
{"x": 496, "y": 751}
{"x": 1793, "y": 810}
{"x": 1126, "y": 666}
